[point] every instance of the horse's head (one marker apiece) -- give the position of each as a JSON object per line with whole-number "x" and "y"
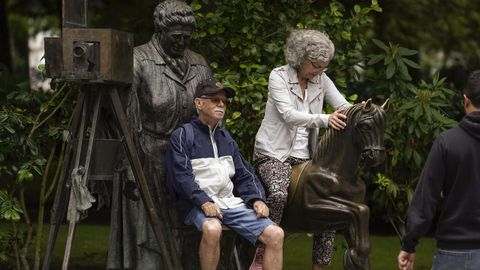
{"x": 361, "y": 140}
{"x": 370, "y": 127}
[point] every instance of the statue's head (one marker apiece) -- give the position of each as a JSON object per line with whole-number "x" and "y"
{"x": 369, "y": 127}
{"x": 175, "y": 22}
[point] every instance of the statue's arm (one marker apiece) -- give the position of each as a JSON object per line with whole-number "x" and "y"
{"x": 130, "y": 99}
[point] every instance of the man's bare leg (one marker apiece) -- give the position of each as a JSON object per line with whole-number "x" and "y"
{"x": 210, "y": 244}
{"x": 272, "y": 238}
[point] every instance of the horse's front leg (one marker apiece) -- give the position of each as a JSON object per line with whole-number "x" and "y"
{"x": 337, "y": 213}
{"x": 357, "y": 234}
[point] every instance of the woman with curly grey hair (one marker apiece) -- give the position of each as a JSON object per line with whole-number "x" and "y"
{"x": 293, "y": 116}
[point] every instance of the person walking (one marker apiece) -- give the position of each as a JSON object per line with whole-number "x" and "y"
{"x": 450, "y": 184}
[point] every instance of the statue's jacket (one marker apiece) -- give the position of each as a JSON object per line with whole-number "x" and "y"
{"x": 209, "y": 168}
{"x": 161, "y": 100}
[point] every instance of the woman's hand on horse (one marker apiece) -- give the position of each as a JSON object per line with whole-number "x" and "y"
{"x": 211, "y": 209}
{"x": 336, "y": 120}
{"x": 261, "y": 209}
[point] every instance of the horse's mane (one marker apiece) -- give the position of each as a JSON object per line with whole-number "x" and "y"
{"x": 328, "y": 142}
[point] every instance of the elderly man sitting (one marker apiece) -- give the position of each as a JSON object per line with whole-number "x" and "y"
{"x": 211, "y": 184}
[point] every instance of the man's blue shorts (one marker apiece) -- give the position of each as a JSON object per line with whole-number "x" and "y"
{"x": 241, "y": 219}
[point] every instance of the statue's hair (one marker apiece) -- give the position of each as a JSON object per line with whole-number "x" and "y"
{"x": 172, "y": 12}
{"x": 308, "y": 45}
{"x": 472, "y": 90}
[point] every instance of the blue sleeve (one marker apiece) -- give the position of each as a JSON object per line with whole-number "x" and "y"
{"x": 426, "y": 198}
{"x": 180, "y": 178}
{"x": 246, "y": 184}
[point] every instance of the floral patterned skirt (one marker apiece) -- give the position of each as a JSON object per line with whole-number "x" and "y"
{"x": 275, "y": 175}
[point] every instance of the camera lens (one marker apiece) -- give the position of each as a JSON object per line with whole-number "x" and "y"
{"x": 80, "y": 50}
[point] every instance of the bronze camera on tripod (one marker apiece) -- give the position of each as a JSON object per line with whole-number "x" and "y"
{"x": 91, "y": 55}
{"x": 101, "y": 60}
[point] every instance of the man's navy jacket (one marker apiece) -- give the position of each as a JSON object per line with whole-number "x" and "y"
{"x": 208, "y": 168}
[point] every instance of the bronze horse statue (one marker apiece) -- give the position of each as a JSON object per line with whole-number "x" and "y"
{"x": 326, "y": 193}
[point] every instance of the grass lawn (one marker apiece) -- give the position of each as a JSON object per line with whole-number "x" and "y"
{"x": 383, "y": 256}
{"x": 90, "y": 250}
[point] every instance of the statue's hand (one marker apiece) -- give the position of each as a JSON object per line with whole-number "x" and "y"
{"x": 261, "y": 209}
{"x": 130, "y": 190}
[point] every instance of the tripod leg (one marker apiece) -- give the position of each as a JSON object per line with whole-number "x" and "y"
{"x": 71, "y": 202}
{"x": 59, "y": 204}
{"x": 72, "y": 214}
{"x": 140, "y": 178}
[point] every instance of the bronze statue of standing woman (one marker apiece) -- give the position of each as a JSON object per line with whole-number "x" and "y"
{"x": 165, "y": 75}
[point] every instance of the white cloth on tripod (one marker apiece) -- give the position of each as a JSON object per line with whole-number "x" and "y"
{"x": 83, "y": 198}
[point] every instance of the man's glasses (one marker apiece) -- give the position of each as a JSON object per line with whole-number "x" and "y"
{"x": 215, "y": 100}
{"x": 317, "y": 66}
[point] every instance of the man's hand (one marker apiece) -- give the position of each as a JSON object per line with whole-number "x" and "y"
{"x": 211, "y": 209}
{"x": 406, "y": 260}
{"x": 336, "y": 120}
{"x": 261, "y": 209}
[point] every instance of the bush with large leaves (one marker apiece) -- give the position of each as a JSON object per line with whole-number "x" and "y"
{"x": 417, "y": 116}
{"x": 243, "y": 40}
{"x": 33, "y": 132}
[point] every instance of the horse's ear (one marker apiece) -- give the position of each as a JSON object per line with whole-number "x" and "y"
{"x": 385, "y": 105}
{"x": 367, "y": 105}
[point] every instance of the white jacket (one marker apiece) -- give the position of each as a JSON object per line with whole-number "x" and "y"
{"x": 277, "y": 132}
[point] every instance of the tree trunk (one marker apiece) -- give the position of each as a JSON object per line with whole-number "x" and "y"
{"x": 5, "y": 56}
